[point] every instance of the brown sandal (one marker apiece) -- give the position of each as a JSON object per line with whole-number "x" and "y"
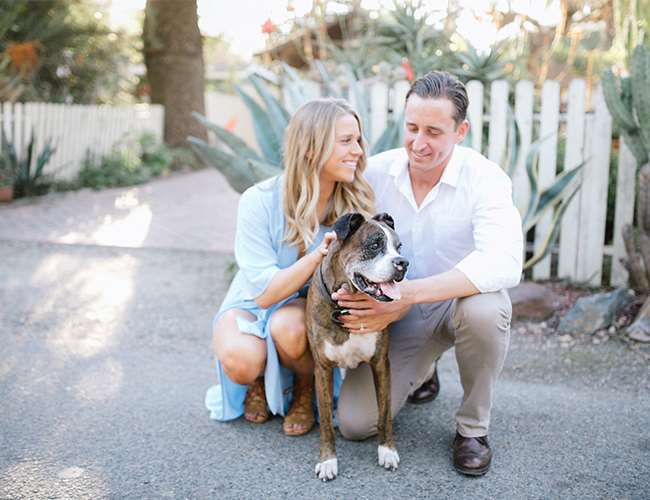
{"x": 255, "y": 409}
{"x": 300, "y": 419}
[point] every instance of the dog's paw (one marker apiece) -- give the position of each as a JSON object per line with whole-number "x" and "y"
{"x": 327, "y": 469}
{"x": 388, "y": 457}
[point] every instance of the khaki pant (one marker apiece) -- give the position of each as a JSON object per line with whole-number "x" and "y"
{"x": 477, "y": 326}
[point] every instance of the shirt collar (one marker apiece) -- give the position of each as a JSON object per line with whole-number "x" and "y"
{"x": 449, "y": 175}
{"x": 452, "y": 170}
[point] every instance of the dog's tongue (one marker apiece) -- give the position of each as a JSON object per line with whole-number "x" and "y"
{"x": 390, "y": 289}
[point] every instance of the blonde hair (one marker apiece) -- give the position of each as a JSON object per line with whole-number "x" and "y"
{"x": 309, "y": 142}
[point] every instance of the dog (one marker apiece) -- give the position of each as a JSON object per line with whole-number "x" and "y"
{"x": 365, "y": 256}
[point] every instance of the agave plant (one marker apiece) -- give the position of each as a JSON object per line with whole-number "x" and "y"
{"x": 241, "y": 164}
{"x": 27, "y": 181}
{"x": 406, "y": 33}
{"x": 555, "y": 199}
{"x": 487, "y": 67}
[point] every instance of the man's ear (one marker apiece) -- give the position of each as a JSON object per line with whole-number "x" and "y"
{"x": 386, "y": 219}
{"x": 346, "y": 225}
{"x": 461, "y": 131}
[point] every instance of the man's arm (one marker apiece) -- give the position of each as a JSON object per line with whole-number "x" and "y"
{"x": 369, "y": 315}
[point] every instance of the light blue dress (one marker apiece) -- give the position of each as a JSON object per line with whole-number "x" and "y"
{"x": 260, "y": 252}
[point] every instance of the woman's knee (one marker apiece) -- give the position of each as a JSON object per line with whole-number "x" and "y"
{"x": 242, "y": 367}
{"x": 290, "y": 334}
{"x": 242, "y": 357}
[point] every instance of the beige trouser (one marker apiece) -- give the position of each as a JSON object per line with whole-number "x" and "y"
{"x": 477, "y": 326}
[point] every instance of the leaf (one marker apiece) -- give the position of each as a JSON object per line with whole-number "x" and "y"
{"x": 237, "y": 146}
{"x": 236, "y": 170}
{"x": 390, "y": 138}
{"x": 278, "y": 115}
{"x": 269, "y": 142}
{"x": 552, "y": 234}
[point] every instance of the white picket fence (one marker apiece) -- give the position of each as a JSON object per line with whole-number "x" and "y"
{"x": 587, "y": 128}
{"x": 74, "y": 129}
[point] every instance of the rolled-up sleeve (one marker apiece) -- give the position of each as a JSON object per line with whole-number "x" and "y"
{"x": 255, "y": 253}
{"x": 497, "y": 259}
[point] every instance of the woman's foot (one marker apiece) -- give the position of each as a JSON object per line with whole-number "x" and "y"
{"x": 300, "y": 418}
{"x": 255, "y": 409}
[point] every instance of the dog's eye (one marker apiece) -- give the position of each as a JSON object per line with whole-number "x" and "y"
{"x": 375, "y": 246}
{"x": 399, "y": 247}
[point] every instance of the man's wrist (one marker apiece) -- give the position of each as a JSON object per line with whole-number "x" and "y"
{"x": 408, "y": 293}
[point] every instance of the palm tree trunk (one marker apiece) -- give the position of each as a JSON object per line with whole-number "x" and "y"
{"x": 173, "y": 53}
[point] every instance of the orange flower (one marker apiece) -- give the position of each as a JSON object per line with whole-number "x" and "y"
{"x": 231, "y": 124}
{"x": 268, "y": 27}
{"x": 23, "y": 56}
{"x": 406, "y": 66}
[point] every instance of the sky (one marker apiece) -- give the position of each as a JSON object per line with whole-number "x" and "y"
{"x": 240, "y": 21}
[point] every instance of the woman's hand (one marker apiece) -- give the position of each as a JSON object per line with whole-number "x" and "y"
{"x": 323, "y": 248}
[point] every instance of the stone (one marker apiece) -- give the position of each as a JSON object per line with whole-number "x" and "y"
{"x": 532, "y": 301}
{"x": 595, "y": 312}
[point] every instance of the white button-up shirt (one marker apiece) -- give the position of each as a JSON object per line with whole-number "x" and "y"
{"x": 467, "y": 221}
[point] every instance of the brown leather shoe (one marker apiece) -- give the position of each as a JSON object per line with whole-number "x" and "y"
{"x": 428, "y": 391}
{"x": 472, "y": 456}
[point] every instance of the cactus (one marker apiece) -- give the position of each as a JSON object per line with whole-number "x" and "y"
{"x": 630, "y": 110}
{"x": 630, "y": 106}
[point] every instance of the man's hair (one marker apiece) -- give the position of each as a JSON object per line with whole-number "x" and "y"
{"x": 440, "y": 84}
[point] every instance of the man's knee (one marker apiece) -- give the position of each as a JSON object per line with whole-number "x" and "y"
{"x": 485, "y": 314}
{"x": 354, "y": 426}
{"x": 483, "y": 320}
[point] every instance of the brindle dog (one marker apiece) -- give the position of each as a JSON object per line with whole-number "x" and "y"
{"x": 365, "y": 257}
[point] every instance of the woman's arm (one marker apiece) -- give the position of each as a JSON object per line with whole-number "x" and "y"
{"x": 290, "y": 279}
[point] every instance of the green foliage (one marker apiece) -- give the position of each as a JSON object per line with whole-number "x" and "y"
{"x": 24, "y": 169}
{"x": 406, "y": 33}
{"x": 472, "y": 65}
{"x": 241, "y": 164}
{"x": 628, "y": 101}
{"x": 554, "y": 199}
{"x": 72, "y": 54}
{"x": 134, "y": 160}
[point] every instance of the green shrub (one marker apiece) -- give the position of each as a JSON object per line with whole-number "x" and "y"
{"x": 134, "y": 160}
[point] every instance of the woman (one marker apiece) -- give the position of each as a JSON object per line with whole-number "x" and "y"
{"x": 259, "y": 335}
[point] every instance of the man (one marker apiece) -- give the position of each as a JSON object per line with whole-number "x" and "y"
{"x": 462, "y": 235}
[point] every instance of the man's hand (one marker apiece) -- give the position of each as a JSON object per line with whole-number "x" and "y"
{"x": 367, "y": 314}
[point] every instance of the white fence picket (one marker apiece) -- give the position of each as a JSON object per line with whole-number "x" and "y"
{"x": 524, "y": 105}
{"x": 548, "y": 130}
{"x": 574, "y": 155}
{"x": 594, "y": 193}
{"x": 379, "y": 110}
{"x": 475, "y": 113}
{"x": 624, "y": 212}
{"x": 498, "y": 121}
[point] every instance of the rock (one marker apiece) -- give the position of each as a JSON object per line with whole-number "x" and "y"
{"x": 595, "y": 312}
{"x": 640, "y": 329}
{"x": 531, "y": 301}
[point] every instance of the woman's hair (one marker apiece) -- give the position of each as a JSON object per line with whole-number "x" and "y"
{"x": 309, "y": 142}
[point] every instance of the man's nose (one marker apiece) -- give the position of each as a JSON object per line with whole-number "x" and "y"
{"x": 419, "y": 143}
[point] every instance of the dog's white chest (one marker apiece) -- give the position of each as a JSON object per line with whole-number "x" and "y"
{"x": 357, "y": 349}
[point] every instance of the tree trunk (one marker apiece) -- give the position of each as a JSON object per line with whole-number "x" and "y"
{"x": 173, "y": 54}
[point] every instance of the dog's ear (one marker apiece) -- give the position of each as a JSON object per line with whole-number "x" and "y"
{"x": 386, "y": 219}
{"x": 346, "y": 225}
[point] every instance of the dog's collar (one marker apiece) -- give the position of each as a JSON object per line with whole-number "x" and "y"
{"x": 336, "y": 314}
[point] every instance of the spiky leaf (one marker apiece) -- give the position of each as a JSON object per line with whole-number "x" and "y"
{"x": 237, "y": 146}
{"x": 236, "y": 170}
{"x": 270, "y": 143}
